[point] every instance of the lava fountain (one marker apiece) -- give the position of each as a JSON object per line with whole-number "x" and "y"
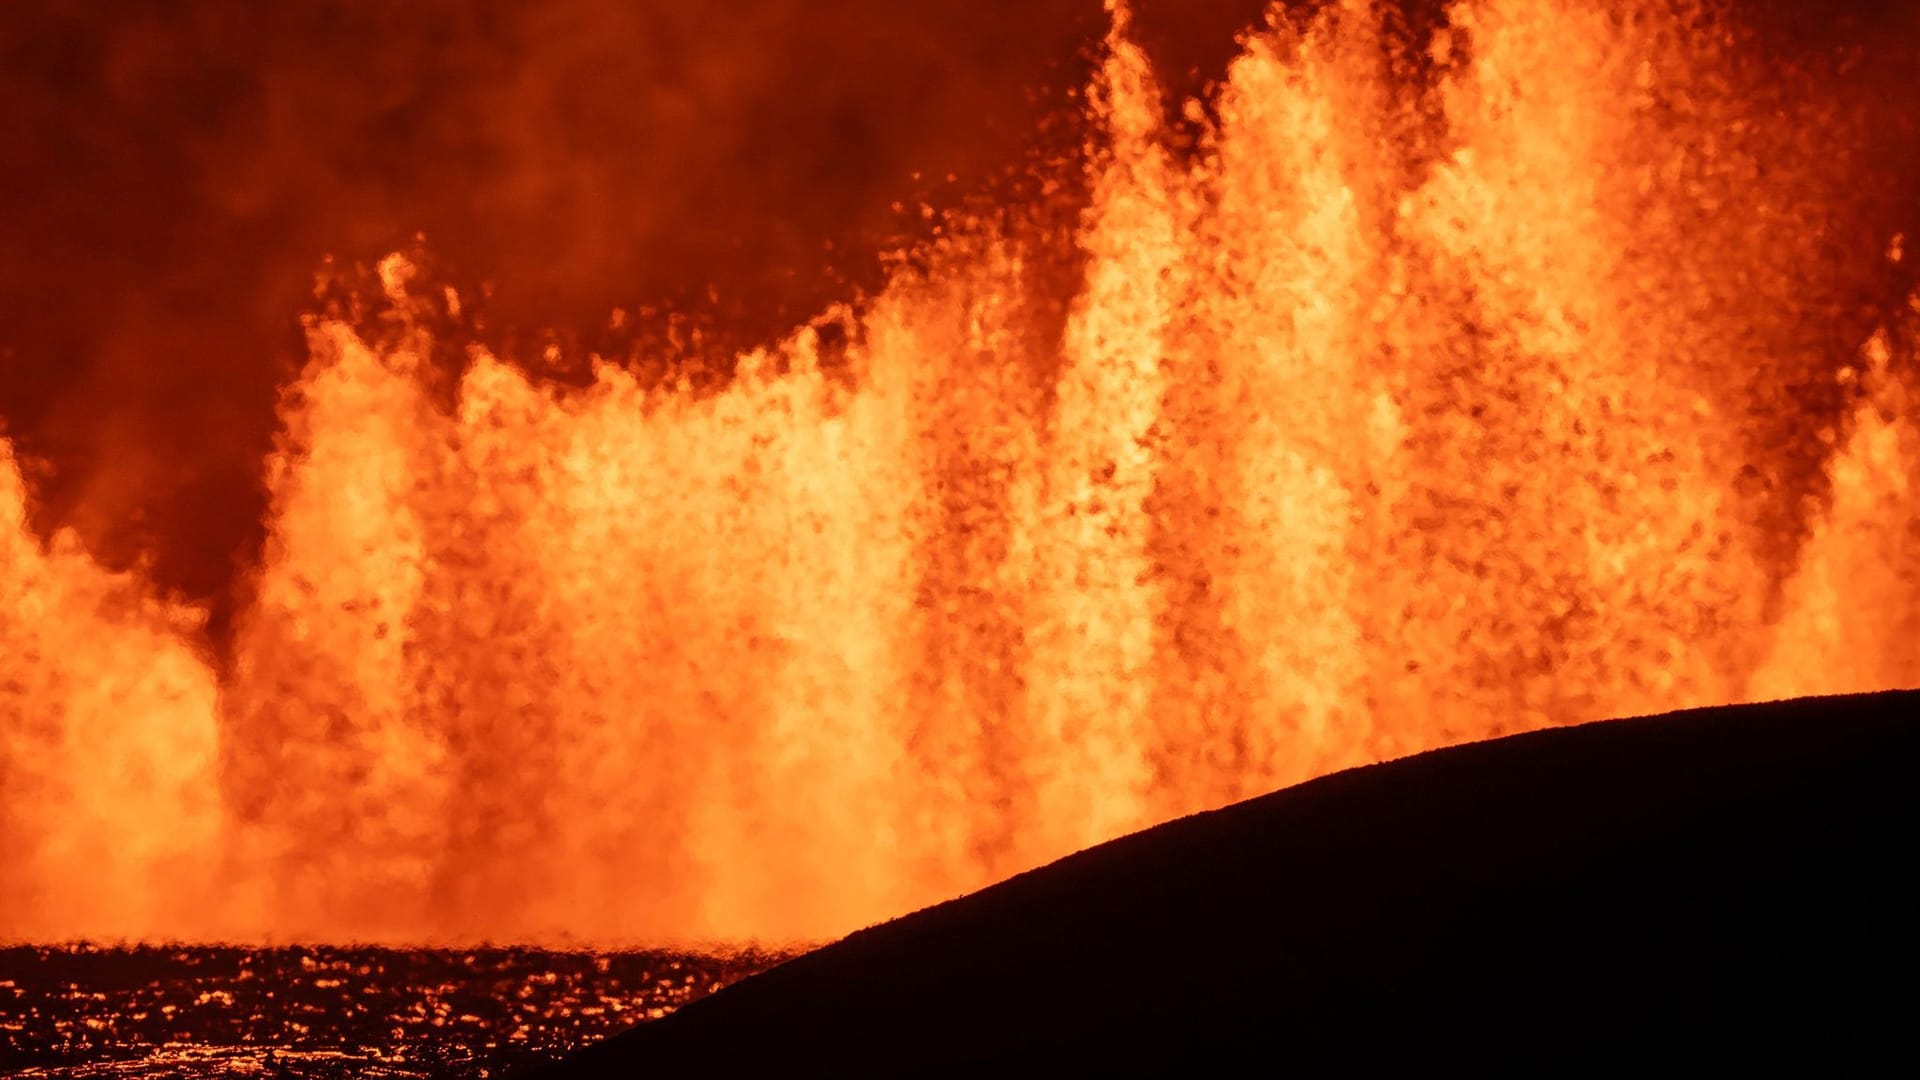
{"x": 1409, "y": 402}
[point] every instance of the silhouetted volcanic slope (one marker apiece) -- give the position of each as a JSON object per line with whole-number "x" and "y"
{"x": 1726, "y": 885}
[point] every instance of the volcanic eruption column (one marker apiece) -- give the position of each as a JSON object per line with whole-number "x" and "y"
{"x": 1408, "y": 409}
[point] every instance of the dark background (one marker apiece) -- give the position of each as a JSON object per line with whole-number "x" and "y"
{"x": 172, "y": 173}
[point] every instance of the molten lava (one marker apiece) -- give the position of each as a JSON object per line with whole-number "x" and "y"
{"x": 1410, "y": 407}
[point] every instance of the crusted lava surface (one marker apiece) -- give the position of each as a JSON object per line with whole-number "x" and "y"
{"x": 179, "y": 1011}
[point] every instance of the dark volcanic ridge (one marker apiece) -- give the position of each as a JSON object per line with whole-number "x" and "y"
{"x": 1724, "y": 887}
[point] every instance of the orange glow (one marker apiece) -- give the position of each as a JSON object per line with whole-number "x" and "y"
{"x": 1393, "y": 416}
{"x": 108, "y": 736}
{"x": 1850, "y": 622}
